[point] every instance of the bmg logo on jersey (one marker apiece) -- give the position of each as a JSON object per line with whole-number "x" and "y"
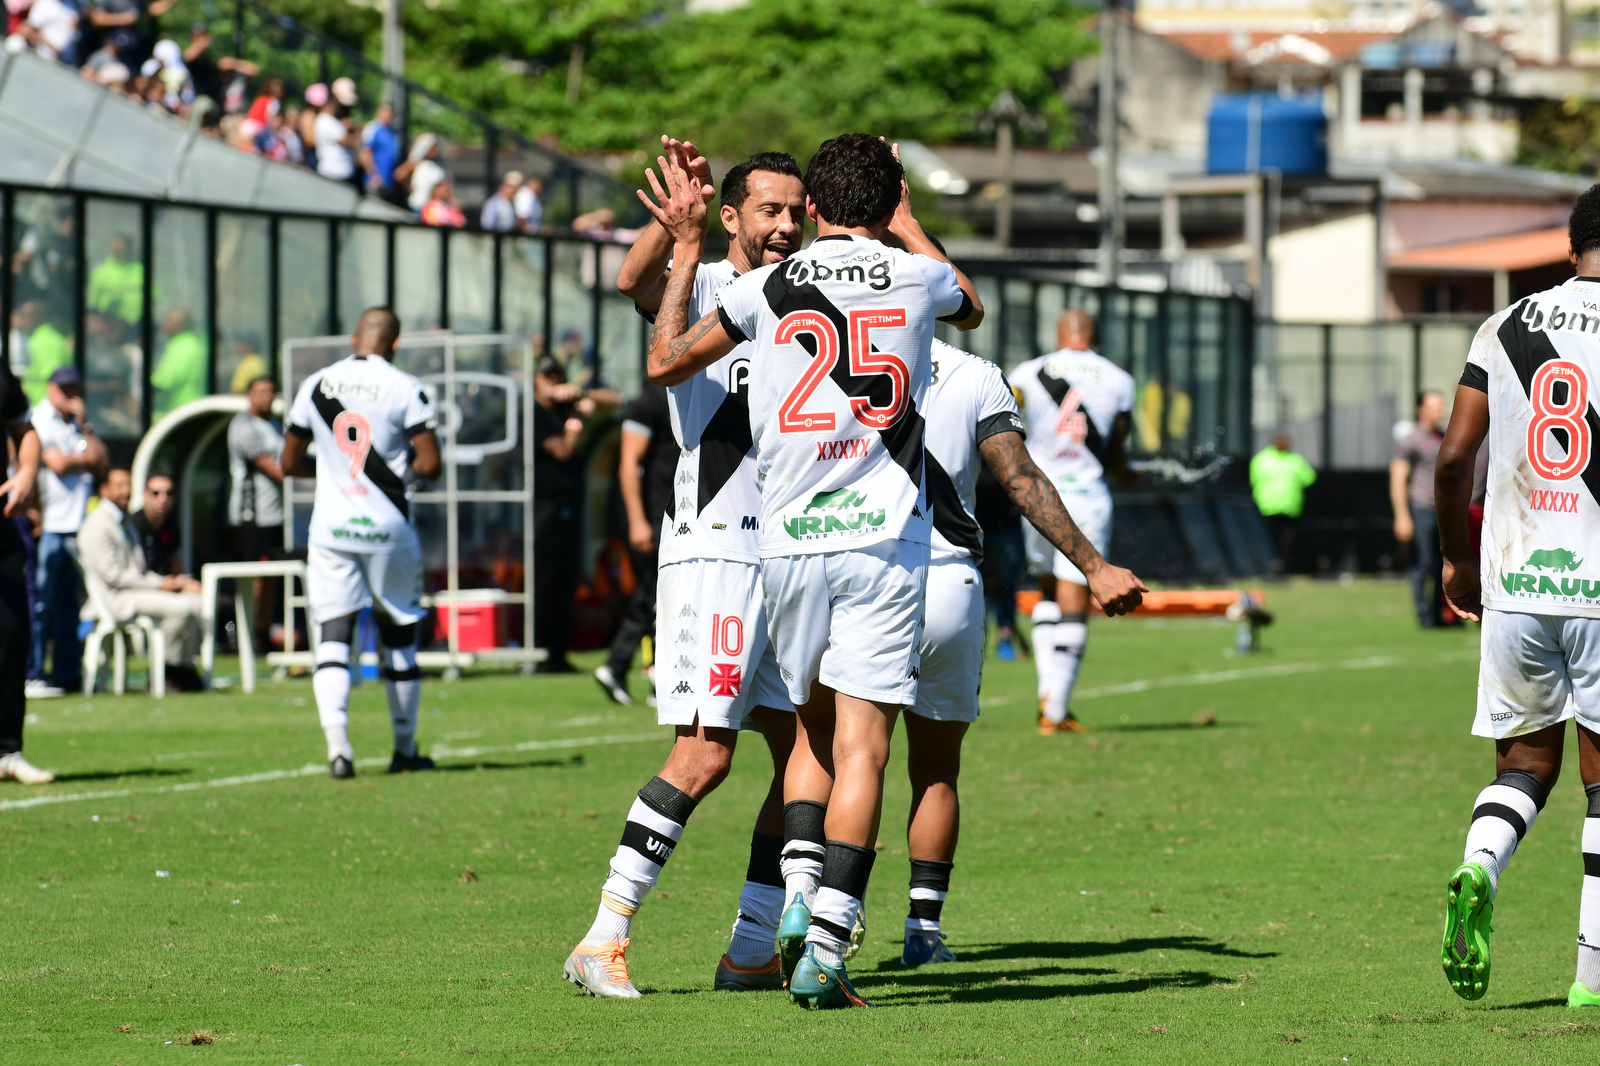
{"x": 854, "y": 272}
{"x": 332, "y": 389}
{"x": 1538, "y": 319}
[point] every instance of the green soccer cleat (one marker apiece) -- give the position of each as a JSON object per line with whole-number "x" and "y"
{"x": 822, "y": 987}
{"x": 1580, "y": 996}
{"x": 1466, "y": 931}
{"x": 792, "y": 932}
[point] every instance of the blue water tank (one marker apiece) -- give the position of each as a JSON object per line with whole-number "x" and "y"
{"x": 1249, "y": 132}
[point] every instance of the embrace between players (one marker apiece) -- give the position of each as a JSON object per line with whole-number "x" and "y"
{"x": 818, "y": 573}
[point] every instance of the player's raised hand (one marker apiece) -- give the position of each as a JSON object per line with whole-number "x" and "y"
{"x": 693, "y": 161}
{"x": 682, "y": 210}
{"x": 1118, "y": 591}
{"x": 1463, "y": 589}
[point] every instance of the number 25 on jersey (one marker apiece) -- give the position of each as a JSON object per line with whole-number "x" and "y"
{"x": 1566, "y": 416}
{"x": 864, "y": 362}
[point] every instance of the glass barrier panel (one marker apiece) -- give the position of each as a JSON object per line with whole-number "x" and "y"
{"x": 1443, "y": 357}
{"x": 44, "y": 294}
{"x": 1016, "y": 319}
{"x": 572, "y": 316}
{"x": 623, "y": 336}
{"x": 985, "y": 340}
{"x": 1049, "y": 301}
{"x": 1208, "y": 374}
{"x": 302, "y": 280}
{"x": 243, "y": 304}
{"x": 363, "y": 271}
{"x": 1371, "y": 366}
{"x": 180, "y": 371}
{"x": 416, "y": 278}
{"x": 1144, "y": 363}
{"x": 1181, "y": 373}
{"x": 113, "y": 316}
{"x": 471, "y": 282}
{"x": 1288, "y": 388}
{"x": 522, "y": 288}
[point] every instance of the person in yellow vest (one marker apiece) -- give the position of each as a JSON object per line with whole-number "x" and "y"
{"x": 116, "y": 285}
{"x": 1278, "y": 481}
{"x": 180, "y": 374}
{"x": 43, "y": 349}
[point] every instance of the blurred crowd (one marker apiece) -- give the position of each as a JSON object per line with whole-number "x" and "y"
{"x": 115, "y": 43}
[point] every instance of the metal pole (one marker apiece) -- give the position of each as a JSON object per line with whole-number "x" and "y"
{"x": 147, "y": 308}
{"x": 1327, "y": 396}
{"x": 211, "y": 304}
{"x": 1110, "y": 194}
{"x": 1006, "y": 150}
{"x": 490, "y": 144}
{"x": 8, "y": 207}
{"x": 394, "y": 60}
{"x": 238, "y": 30}
{"x": 451, "y": 526}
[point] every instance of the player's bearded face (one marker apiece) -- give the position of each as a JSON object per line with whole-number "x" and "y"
{"x": 772, "y": 219}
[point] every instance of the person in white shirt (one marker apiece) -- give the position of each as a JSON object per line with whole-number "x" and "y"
{"x": 529, "y": 205}
{"x": 71, "y": 456}
{"x": 334, "y": 141}
{"x": 111, "y": 553}
{"x": 52, "y": 29}
{"x": 369, "y": 421}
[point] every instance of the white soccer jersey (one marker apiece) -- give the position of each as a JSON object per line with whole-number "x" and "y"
{"x": 717, "y": 500}
{"x": 968, "y": 402}
{"x": 1539, "y": 363}
{"x": 1070, "y": 401}
{"x": 362, "y": 413}
{"x": 838, "y": 376}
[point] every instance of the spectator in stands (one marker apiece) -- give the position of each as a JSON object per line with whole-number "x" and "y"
{"x": 38, "y": 349}
{"x": 422, "y": 171}
{"x": 334, "y": 139}
{"x": 380, "y": 154}
{"x": 249, "y": 366}
{"x": 646, "y": 471}
{"x": 180, "y": 374}
{"x": 70, "y": 458}
{"x": 558, "y": 420}
{"x": 116, "y": 284}
{"x": 52, "y": 30}
{"x": 130, "y": 23}
{"x": 443, "y": 209}
{"x": 255, "y": 493}
{"x": 206, "y": 73}
{"x": 499, "y": 213}
{"x": 157, "y": 534}
{"x": 1279, "y": 478}
{"x": 529, "y": 203}
{"x": 109, "y": 548}
{"x": 269, "y": 105}
{"x": 174, "y": 77}
{"x": 1411, "y": 495}
{"x": 306, "y": 128}
{"x": 285, "y": 127}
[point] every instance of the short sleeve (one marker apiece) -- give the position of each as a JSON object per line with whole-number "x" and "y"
{"x": 950, "y": 303}
{"x": 1405, "y": 449}
{"x": 1475, "y": 375}
{"x": 301, "y": 412}
{"x": 246, "y": 441}
{"x": 997, "y": 407}
{"x": 739, "y": 304}
{"x": 419, "y": 414}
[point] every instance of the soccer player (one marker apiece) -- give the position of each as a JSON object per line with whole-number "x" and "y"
{"x": 1076, "y": 405}
{"x": 976, "y": 414}
{"x": 368, "y": 420}
{"x": 838, "y": 374}
{"x": 1529, "y": 382}
{"x": 715, "y": 670}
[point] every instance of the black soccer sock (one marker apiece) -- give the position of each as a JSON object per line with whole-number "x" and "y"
{"x": 655, "y": 824}
{"x": 930, "y": 883}
{"x": 845, "y": 873}
{"x": 804, "y": 841}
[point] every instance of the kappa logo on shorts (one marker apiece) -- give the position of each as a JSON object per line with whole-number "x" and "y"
{"x": 688, "y": 611}
{"x": 1503, "y": 716}
{"x": 682, "y": 688}
{"x": 685, "y": 663}
{"x": 725, "y": 679}
{"x": 685, "y": 637}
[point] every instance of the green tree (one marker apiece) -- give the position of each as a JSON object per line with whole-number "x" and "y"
{"x": 1562, "y": 136}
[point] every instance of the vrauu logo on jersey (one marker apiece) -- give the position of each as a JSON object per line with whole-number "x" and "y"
{"x": 843, "y": 512}
{"x": 1552, "y": 564}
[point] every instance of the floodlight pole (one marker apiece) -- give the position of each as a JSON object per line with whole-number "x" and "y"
{"x": 1111, "y": 232}
{"x": 1004, "y": 112}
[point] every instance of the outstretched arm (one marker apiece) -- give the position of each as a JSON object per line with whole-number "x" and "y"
{"x": 1118, "y": 591}
{"x": 679, "y": 350}
{"x": 643, "y": 277}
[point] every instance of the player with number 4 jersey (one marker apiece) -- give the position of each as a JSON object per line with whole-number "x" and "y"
{"x": 1530, "y": 387}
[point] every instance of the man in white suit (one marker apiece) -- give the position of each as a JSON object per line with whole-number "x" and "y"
{"x": 109, "y": 549}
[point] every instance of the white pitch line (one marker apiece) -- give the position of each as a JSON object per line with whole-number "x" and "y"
{"x": 1217, "y": 677}
{"x": 312, "y": 769}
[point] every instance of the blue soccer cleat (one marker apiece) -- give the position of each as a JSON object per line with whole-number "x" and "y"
{"x": 922, "y": 948}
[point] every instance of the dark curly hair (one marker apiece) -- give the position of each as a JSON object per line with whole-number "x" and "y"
{"x": 1583, "y": 227}
{"x": 854, "y": 180}
{"x": 736, "y": 182}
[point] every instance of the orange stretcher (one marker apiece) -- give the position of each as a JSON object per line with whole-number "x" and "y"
{"x": 1176, "y": 602}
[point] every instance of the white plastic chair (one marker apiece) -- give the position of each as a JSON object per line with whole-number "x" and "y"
{"x": 108, "y": 625}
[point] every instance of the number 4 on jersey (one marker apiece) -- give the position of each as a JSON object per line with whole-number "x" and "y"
{"x": 864, "y": 362}
{"x": 1568, "y": 416}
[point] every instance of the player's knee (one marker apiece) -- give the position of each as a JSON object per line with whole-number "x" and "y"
{"x": 397, "y": 636}
{"x": 339, "y": 630}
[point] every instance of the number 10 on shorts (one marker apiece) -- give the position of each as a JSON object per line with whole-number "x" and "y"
{"x": 727, "y": 638}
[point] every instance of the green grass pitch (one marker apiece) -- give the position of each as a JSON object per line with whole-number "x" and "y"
{"x": 1267, "y": 889}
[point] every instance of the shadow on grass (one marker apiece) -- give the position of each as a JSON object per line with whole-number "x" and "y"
{"x": 1168, "y": 727}
{"x": 1088, "y": 949}
{"x": 459, "y": 767}
{"x": 1532, "y": 1004}
{"x": 952, "y": 986}
{"x": 112, "y": 775}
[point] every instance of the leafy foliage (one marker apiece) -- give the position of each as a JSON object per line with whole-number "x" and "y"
{"x": 777, "y": 74}
{"x": 1562, "y": 136}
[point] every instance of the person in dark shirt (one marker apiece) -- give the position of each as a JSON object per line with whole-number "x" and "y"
{"x": 16, "y": 625}
{"x": 645, "y": 475}
{"x": 158, "y": 536}
{"x": 559, "y": 412}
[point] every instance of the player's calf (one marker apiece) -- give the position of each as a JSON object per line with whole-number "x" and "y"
{"x": 804, "y": 847}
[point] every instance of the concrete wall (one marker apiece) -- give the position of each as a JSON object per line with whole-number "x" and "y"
{"x": 1325, "y": 272}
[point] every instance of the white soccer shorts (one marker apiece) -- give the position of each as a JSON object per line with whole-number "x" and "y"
{"x": 1537, "y": 670}
{"x": 952, "y": 644}
{"x": 1090, "y": 508}
{"x": 850, "y": 618}
{"x": 339, "y": 582}
{"x": 714, "y": 660}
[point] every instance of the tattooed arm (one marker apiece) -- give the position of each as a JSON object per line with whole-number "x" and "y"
{"x": 679, "y": 350}
{"x": 1117, "y": 590}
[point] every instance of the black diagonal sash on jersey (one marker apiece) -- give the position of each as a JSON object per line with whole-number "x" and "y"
{"x": 904, "y": 438}
{"x": 724, "y": 443}
{"x": 950, "y": 516}
{"x": 1528, "y": 350}
{"x": 1058, "y": 389}
{"x": 376, "y": 469}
